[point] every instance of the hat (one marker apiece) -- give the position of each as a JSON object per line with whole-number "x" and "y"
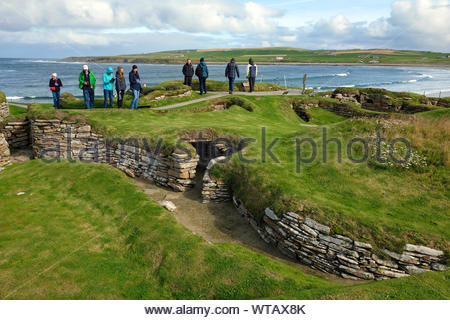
{"x": 54, "y": 74}
{"x": 109, "y": 70}
{"x": 202, "y": 59}
{"x": 85, "y": 67}
{"x": 232, "y": 59}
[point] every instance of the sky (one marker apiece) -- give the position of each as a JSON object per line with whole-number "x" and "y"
{"x": 62, "y": 28}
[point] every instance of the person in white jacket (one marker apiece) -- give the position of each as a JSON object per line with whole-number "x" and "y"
{"x": 252, "y": 73}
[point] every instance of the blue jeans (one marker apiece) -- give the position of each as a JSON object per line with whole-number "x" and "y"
{"x": 88, "y": 95}
{"x": 202, "y": 81}
{"x": 108, "y": 94}
{"x": 231, "y": 84}
{"x": 134, "y": 103}
{"x": 56, "y": 95}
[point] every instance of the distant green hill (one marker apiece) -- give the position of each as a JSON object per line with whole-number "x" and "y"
{"x": 282, "y": 55}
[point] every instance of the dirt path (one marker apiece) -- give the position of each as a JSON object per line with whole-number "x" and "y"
{"x": 215, "y": 95}
{"x": 220, "y": 222}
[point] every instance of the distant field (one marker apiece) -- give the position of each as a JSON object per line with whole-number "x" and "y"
{"x": 283, "y": 55}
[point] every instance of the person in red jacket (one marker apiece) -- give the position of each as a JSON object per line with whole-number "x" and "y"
{"x": 55, "y": 85}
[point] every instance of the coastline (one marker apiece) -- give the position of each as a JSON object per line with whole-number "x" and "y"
{"x": 354, "y": 64}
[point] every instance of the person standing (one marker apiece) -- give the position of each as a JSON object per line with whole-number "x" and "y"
{"x": 87, "y": 84}
{"x": 55, "y": 85}
{"x": 135, "y": 85}
{"x": 202, "y": 73}
{"x": 188, "y": 71}
{"x": 252, "y": 73}
{"x": 231, "y": 71}
{"x": 108, "y": 80}
{"x": 121, "y": 86}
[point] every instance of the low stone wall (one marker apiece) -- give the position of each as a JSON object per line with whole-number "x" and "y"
{"x": 313, "y": 244}
{"x": 4, "y": 151}
{"x": 214, "y": 189}
{"x": 69, "y": 139}
{"x": 4, "y": 110}
{"x": 17, "y": 133}
{"x": 380, "y": 101}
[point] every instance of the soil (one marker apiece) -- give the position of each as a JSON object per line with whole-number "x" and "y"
{"x": 21, "y": 155}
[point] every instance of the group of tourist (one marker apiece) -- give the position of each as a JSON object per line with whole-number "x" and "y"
{"x": 87, "y": 82}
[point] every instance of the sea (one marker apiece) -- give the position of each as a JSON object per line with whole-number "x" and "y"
{"x": 26, "y": 80}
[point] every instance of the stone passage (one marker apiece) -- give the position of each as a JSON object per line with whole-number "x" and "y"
{"x": 17, "y": 133}
{"x": 313, "y": 244}
{"x": 4, "y": 151}
{"x": 68, "y": 139}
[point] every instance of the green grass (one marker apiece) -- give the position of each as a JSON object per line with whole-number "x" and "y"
{"x": 435, "y": 114}
{"x": 385, "y": 206}
{"x": 269, "y": 55}
{"x": 85, "y": 231}
{"x": 17, "y": 111}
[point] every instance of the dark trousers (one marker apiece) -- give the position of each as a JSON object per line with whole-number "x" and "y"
{"x": 108, "y": 95}
{"x": 188, "y": 80}
{"x": 230, "y": 84}
{"x": 88, "y": 95}
{"x": 120, "y": 98}
{"x": 251, "y": 82}
{"x": 202, "y": 81}
{"x": 56, "y": 95}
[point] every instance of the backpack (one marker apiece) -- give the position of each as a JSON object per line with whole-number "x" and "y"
{"x": 199, "y": 71}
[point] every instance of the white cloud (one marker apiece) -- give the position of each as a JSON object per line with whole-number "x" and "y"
{"x": 419, "y": 24}
{"x": 212, "y": 16}
{"x": 335, "y": 25}
{"x": 117, "y": 25}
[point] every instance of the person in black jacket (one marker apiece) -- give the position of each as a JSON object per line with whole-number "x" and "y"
{"x": 188, "y": 71}
{"x": 135, "y": 86}
{"x": 230, "y": 72}
{"x": 121, "y": 86}
{"x": 55, "y": 85}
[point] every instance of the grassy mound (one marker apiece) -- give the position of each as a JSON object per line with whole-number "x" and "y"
{"x": 84, "y": 231}
{"x": 404, "y": 102}
{"x": 222, "y": 86}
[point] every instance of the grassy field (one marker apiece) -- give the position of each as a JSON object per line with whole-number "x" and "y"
{"x": 281, "y": 55}
{"x": 85, "y": 231}
{"x": 387, "y": 206}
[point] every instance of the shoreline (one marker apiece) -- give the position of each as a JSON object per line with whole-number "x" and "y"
{"x": 355, "y": 64}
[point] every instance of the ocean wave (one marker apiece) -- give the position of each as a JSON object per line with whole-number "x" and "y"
{"x": 342, "y": 74}
{"x": 412, "y": 81}
{"x": 26, "y": 98}
{"x": 424, "y": 75}
{"x": 41, "y": 61}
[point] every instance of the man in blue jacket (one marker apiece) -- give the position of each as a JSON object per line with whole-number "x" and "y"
{"x": 202, "y": 73}
{"x": 230, "y": 72}
{"x": 135, "y": 86}
{"x": 108, "y": 80}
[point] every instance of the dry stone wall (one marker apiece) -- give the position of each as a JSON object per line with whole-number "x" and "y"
{"x": 214, "y": 189}
{"x": 67, "y": 139}
{"x": 4, "y": 151}
{"x": 4, "y": 110}
{"x": 313, "y": 244}
{"x": 17, "y": 133}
